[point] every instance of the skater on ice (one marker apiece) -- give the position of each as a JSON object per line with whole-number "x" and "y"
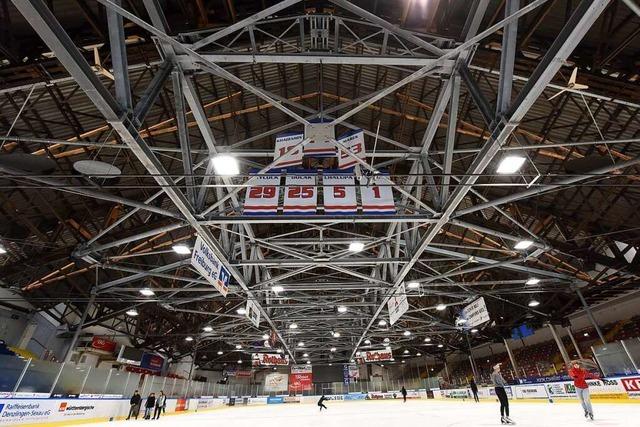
{"x": 474, "y": 389}
{"x": 320, "y": 404}
{"x": 499, "y": 384}
{"x": 579, "y": 376}
{"x": 403, "y": 391}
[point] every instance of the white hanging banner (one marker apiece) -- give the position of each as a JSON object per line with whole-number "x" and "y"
{"x": 377, "y": 195}
{"x": 339, "y": 193}
{"x": 354, "y": 141}
{"x": 253, "y": 313}
{"x": 209, "y": 266}
{"x": 398, "y": 304}
{"x": 263, "y": 195}
{"x": 284, "y": 143}
{"x": 475, "y": 313}
{"x": 301, "y": 194}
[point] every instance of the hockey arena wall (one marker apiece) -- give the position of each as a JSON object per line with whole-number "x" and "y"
{"x": 38, "y": 410}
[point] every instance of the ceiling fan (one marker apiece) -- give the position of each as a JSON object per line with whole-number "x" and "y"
{"x": 572, "y": 84}
{"x": 98, "y": 64}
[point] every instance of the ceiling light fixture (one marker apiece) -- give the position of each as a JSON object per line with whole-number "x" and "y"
{"x": 406, "y": 333}
{"x": 132, "y": 312}
{"x": 301, "y": 344}
{"x": 532, "y": 281}
{"x": 413, "y": 285}
{"x": 277, "y": 288}
{"x": 188, "y": 339}
{"x": 356, "y": 246}
{"x": 219, "y": 353}
{"x": 238, "y": 346}
{"x": 225, "y": 165}
{"x": 2, "y": 250}
{"x": 382, "y": 323}
{"x": 207, "y": 329}
{"x": 305, "y": 355}
{"x": 332, "y": 350}
{"x": 427, "y": 339}
{"x": 440, "y": 345}
{"x": 441, "y": 307}
{"x": 181, "y": 249}
{"x": 523, "y": 244}
{"x": 241, "y": 311}
{"x": 474, "y": 330}
{"x": 265, "y": 336}
{"x": 510, "y": 164}
{"x": 336, "y": 334}
{"x": 342, "y": 309}
{"x": 534, "y": 303}
{"x": 367, "y": 342}
{"x": 147, "y": 292}
{"x": 293, "y": 326}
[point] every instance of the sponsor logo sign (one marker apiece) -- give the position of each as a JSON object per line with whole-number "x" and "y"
{"x": 181, "y": 405}
{"x": 253, "y": 314}
{"x": 103, "y": 344}
{"x": 475, "y": 313}
{"x": 632, "y": 386}
{"x": 209, "y": 266}
{"x": 397, "y": 304}
{"x": 270, "y": 359}
{"x": 276, "y": 382}
{"x": 375, "y": 356}
{"x": 22, "y": 412}
{"x": 275, "y": 399}
{"x": 152, "y": 362}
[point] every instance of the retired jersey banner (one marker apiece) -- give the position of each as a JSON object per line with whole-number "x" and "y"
{"x": 339, "y": 193}
{"x": 270, "y": 359}
{"x": 285, "y": 143}
{"x": 263, "y": 195}
{"x": 301, "y": 194}
{"x": 210, "y": 267}
{"x": 375, "y": 356}
{"x": 397, "y": 304}
{"x": 354, "y": 142}
{"x": 377, "y": 195}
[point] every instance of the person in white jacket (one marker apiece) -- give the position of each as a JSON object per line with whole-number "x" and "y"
{"x": 161, "y": 402}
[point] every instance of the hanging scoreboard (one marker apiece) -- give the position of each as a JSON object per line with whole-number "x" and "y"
{"x": 339, "y": 193}
{"x": 300, "y": 194}
{"x": 354, "y": 141}
{"x": 285, "y": 143}
{"x": 377, "y": 195}
{"x": 263, "y": 195}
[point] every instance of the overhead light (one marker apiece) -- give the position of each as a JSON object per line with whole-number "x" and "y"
{"x": 534, "y": 303}
{"x": 418, "y": 354}
{"x": 386, "y": 340}
{"x": 238, "y": 346}
{"x": 510, "y": 164}
{"x": 239, "y": 362}
{"x": 132, "y": 312}
{"x": 225, "y": 165}
{"x": 387, "y": 348}
{"x": 277, "y": 288}
{"x": 413, "y": 285}
{"x": 308, "y": 362}
{"x": 336, "y": 334}
{"x": 406, "y": 333}
{"x": 207, "y": 329}
{"x": 342, "y": 309}
{"x": 403, "y": 361}
{"x": 586, "y": 334}
{"x": 474, "y": 330}
{"x": 293, "y": 326}
{"x": 181, "y": 249}
{"x": 441, "y": 307}
{"x": 265, "y": 336}
{"x": 461, "y": 321}
{"x": 147, "y": 292}
{"x": 188, "y": 339}
{"x": 241, "y": 311}
{"x": 406, "y": 352}
{"x": 382, "y": 323}
{"x": 356, "y": 246}
{"x": 301, "y": 344}
{"x": 333, "y": 350}
{"x": 523, "y": 244}
{"x": 427, "y": 339}
{"x": 279, "y": 351}
{"x": 305, "y": 355}
{"x": 353, "y": 361}
{"x": 367, "y": 342}
{"x": 220, "y": 353}
{"x": 532, "y": 281}
{"x": 2, "y": 250}
{"x": 440, "y": 345}
{"x": 330, "y": 364}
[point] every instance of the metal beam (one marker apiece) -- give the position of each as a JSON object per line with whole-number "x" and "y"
{"x": 119, "y": 58}
{"x": 507, "y": 59}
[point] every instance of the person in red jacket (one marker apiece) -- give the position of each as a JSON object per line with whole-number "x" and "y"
{"x": 579, "y": 376}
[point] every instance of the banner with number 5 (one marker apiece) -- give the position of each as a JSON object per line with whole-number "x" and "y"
{"x": 377, "y": 195}
{"x": 263, "y": 195}
{"x": 339, "y": 193}
{"x": 300, "y": 194}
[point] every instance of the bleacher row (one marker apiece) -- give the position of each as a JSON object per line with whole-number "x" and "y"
{"x": 544, "y": 359}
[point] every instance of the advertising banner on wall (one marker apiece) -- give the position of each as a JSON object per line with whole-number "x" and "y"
{"x": 632, "y": 386}
{"x": 397, "y": 304}
{"x": 270, "y": 359}
{"x": 301, "y": 378}
{"x": 276, "y": 382}
{"x": 209, "y": 266}
{"x": 475, "y": 313}
{"x": 19, "y": 411}
{"x": 375, "y": 356}
{"x": 103, "y": 344}
{"x": 533, "y": 391}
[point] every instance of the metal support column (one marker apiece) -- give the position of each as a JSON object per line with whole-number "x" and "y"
{"x": 560, "y": 344}
{"x": 574, "y": 342}
{"x": 511, "y": 357}
{"x": 587, "y": 309}
{"x": 76, "y": 334}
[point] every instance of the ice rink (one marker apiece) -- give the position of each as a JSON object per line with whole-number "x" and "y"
{"x": 395, "y": 413}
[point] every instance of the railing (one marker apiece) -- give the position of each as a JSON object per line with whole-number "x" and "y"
{"x": 619, "y": 358}
{"x": 30, "y": 376}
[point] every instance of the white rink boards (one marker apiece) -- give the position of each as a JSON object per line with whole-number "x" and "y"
{"x": 414, "y": 413}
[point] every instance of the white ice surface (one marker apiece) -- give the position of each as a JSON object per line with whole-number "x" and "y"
{"x": 394, "y": 413}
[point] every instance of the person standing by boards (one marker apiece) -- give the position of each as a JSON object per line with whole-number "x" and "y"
{"x": 474, "y": 389}
{"x": 579, "y": 376}
{"x": 135, "y": 401}
{"x": 161, "y": 402}
{"x": 499, "y": 384}
{"x": 403, "y": 391}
